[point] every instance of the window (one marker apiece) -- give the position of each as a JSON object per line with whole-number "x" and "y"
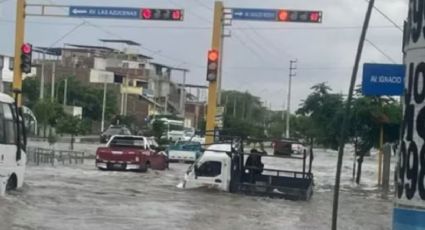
{"x": 209, "y": 169}
{"x": 7, "y": 124}
{"x": 128, "y": 142}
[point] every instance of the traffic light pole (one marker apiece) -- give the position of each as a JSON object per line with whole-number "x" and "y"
{"x": 19, "y": 40}
{"x": 212, "y": 88}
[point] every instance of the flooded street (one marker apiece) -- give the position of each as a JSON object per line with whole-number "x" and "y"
{"x": 82, "y": 197}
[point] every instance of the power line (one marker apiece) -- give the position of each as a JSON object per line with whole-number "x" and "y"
{"x": 387, "y": 17}
{"x": 204, "y": 27}
{"x": 66, "y": 34}
{"x": 380, "y": 51}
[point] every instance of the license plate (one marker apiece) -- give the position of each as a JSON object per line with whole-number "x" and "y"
{"x": 118, "y": 166}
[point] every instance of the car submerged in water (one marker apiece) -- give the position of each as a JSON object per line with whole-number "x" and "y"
{"x": 127, "y": 152}
{"x": 113, "y": 130}
{"x": 226, "y": 167}
{"x": 185, "y": 151}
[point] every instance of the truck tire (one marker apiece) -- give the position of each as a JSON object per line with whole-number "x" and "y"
{"x": 12, "y": 183}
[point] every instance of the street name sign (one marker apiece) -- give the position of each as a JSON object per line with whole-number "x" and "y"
{"x": 104, "y": 12}
{"x": 254, "y": 14}
{"x": 279, "y": 15}
{"x": 126, "y": 13}
{"x": 383, "y": 79}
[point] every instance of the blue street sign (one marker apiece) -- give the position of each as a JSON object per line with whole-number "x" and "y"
{"x": 254, "y": 14}
{"x": 383, "y": 79}
{"x": 104, "y": 12}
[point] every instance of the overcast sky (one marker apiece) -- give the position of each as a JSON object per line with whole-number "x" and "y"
{"x": 256, "y": 56}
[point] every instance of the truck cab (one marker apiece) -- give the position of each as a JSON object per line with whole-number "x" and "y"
{"x": 224, "y": 167}
{"x": 212, "y": 169}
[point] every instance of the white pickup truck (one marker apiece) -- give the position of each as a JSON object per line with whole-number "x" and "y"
{"x": 224, "y": 168}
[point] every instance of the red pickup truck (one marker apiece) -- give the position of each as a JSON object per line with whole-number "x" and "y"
{"x": 127, "y": 152}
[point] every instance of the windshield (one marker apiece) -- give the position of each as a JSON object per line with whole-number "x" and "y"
{"x": 128, "y": 142}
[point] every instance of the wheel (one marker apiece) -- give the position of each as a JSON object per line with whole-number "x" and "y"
{"x": 12, "y": 183}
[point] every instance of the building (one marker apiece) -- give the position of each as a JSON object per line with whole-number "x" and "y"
{"x": 143, "y": 87}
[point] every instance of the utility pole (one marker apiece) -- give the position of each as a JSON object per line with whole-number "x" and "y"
{"x": 102, "y": 125}
{"x": 42, "y": 75}
{"x": 65, "y": 91}
{"x": 212, "y": 88}
{"x": 52, "y": 93}
{"x": 292, "y": 73}
{"x": 344, "y": 125}
{"x": 19, "y": 40}
{"x": 1, "y": 73}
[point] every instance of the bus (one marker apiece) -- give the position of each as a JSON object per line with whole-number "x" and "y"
{"x": 174, "y": 128}
{"x": 12, "y": 145}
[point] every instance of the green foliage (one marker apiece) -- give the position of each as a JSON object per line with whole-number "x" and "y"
{"x": 244, "y": 114}
{"x": 324, "y": 112}
{"x": 47, "y": 113}
{"x": 158, "y": 128}
{"x": 72, "y": 125}
{"x": 90, "y": 98}
{"x": 368, "y": 114}
{"x": 30, "y": 91}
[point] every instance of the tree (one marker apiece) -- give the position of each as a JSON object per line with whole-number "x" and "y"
{"x": 30, "y": 91}
{"x": 90, "y": 98}
{"x": 158, "y": 129}
{"x": 324, "y": 111}
{"x": 367, "y": 117}
{"x": 47, "y": 113}
{"x": 244, "y": 114}
{"x": 72, "y": 125}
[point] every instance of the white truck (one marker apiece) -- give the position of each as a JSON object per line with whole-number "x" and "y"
{"x": 12, "y": 145}
{"x": 224, "y": 167}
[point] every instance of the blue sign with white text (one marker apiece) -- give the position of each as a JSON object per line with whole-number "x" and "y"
{"x": 254, "y": 14}
{"x": 383, "y": 79}
{"x": 104, "y": 12}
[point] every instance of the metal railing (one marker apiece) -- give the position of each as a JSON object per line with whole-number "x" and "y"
{"x": 53, "y": 156}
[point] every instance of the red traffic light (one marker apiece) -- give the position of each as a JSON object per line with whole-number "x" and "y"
{"x": 26, "y": 48}
{"x": 176, "y": 15}
{"x": 282, "y": 15}
{"x": 146, "y": 13}
{"x": 212, "y": 55}
{"x": 315, "y": 16}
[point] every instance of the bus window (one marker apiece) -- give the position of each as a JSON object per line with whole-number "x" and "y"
{"x": 9, "y": 124}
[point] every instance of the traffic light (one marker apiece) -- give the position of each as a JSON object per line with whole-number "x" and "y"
{"x": 212, "y": 67}
{"x": 161, "y": 14}
{"x": 299, "y": 16}
{"x": 26, "y": 57}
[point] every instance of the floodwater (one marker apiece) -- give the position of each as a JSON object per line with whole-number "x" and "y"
{"x": 84, "y": 198}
